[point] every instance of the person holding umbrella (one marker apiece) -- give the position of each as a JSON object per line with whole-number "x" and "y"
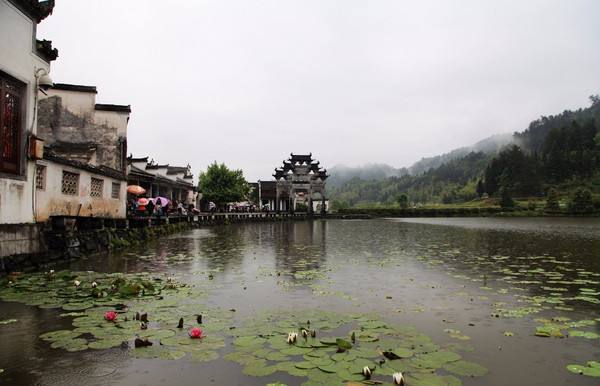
{"x": 150, "y": 207}
{"x": 142, "y": 202}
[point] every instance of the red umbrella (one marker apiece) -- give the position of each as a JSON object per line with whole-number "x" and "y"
{"x": 143, "y": 201}
{"x": 136, "y": 190}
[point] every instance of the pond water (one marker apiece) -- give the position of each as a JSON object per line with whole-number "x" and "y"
{"x": 460, "y": 297}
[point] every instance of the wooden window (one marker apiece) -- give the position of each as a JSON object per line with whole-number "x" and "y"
{"x": 97, "y": 186}
{"x": 116, "y": 190}
{"x": 40, "y": 177}
{"x": 70, "y": 183}
{"x": 11, "y": 124}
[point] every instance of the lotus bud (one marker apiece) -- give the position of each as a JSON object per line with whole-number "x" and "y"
{"x": 77, "y": 283}
{"x": 313, "y": 333}
{"x": 94, "y": 284}
{"x": 142, "y": 342}
{"x": 366, "y": 372}
{"x": 304, "y": 333}
{"x": 398, "y": 378}
{"x": 180, "y": 325}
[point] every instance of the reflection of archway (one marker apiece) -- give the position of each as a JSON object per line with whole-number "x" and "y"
{"x": 300, "y": 246}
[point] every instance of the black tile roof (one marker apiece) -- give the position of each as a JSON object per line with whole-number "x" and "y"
{"x": 75, "y": 87}
{"x": 118, "y": 108}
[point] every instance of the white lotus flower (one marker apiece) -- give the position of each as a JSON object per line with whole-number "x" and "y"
{"x": 94, "y": 284}
{"x": 398, "y": 378}
{"x": 169, "y": 279}
{"x": 77, "y": 283}
{"x": 304, "y": 333}
{"x": 292, "y": 337}
{"x": 366, "y": 372}
{"x": 51, "y": 272}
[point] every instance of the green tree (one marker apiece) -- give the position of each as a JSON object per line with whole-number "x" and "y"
{"x": 403, "y": 201}
{"x": 222, "y": 185}
{"x": 552, "y": 200}
{"x": 506, "y": 200}
{"x": 340, "y": 204}
{"x": 480, "y": 188}
{"x": 581, "y": 202}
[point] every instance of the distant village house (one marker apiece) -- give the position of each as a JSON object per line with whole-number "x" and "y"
{"x": 163, "y": 180}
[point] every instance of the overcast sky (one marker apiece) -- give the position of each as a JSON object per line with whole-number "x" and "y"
{"x": 247, "y": 82}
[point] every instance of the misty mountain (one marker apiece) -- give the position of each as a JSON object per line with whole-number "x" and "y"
{"x": 552, "y": 150}
{"x": 490, "y": 145}
{"x": 341, "y": 174}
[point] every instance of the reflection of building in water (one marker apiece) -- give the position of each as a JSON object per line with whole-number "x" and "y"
{"x": 224, "y": 247}
{"x": 299, "y": 185}
{"x": 299, "y": 246}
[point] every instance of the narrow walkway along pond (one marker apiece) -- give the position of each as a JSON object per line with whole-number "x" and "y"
{"x": 444, "y": 301}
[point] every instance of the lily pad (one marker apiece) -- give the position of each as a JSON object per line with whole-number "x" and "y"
{"x": 465, "y": 368}
{"x": 591, "y": 370}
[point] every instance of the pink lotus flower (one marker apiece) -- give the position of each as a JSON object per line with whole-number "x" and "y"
{"x": 196, "y": 333}
{"x": 110, "y": 316}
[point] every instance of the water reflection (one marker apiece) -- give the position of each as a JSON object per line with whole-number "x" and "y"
{"x": 435, "y": 274}
{"x": 300, "y": 246}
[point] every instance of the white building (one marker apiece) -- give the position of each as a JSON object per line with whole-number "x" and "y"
{"x": 24, "y": 64}
{"x": 83, "y": 172}
{"x": 22, "y": 58}
{"x": 61, "y": 153}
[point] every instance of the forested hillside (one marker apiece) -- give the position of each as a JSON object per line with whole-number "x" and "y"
{"x": 490, "y": 145}
{"x": 554, "y": 151}
{"x": 341, "y": 174}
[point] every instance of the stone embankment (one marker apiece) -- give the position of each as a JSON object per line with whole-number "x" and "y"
{"x": 68, "y": 238}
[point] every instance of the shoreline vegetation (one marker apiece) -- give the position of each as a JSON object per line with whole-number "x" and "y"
{"x": 475, "y": 208}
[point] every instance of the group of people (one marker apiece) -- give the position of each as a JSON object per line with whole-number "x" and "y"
{"x": 155, "y": 207}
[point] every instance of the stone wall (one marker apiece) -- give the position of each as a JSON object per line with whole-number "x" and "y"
{"x": 67, "y": 244}
{"x": 20, "y": 238}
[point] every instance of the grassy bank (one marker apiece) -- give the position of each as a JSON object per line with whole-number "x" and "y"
{"x": 524, "y": 207}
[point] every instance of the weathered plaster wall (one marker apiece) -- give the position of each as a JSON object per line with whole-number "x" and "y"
{"x": 17, "y": 59}
{"x": 52, "y": 202}
{"x": 70, "y": 117}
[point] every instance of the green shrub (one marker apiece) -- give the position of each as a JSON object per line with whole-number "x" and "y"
{"x": 552, "y": 204}
{"x": 581, "y": 202}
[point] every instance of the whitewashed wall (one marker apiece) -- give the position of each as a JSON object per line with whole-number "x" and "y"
{"x": 18, "y": 59}
{"x": 50, "y": 201}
